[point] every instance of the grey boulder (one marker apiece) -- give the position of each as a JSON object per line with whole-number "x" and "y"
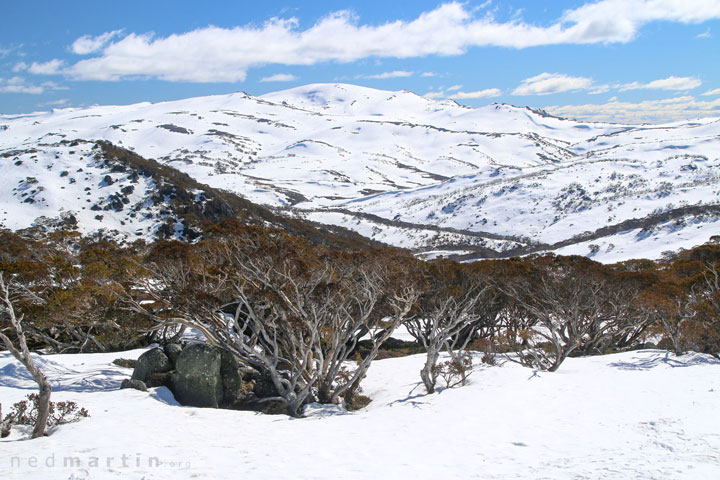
{"x": 136, "y": 384}
{"x": 150, "y": 362}
{"x": 173, "y": 350}
{"x": 196, "y": 380}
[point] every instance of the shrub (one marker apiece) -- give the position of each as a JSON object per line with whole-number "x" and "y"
{"x": 454, "y": 371}
{"x": 61, "y": 413}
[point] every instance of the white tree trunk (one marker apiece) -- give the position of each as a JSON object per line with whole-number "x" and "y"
{"x": 22, "y": 353}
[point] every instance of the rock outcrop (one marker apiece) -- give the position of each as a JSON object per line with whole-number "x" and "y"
{"x": 151, "y": 362}
{"x": 199, "y": 375}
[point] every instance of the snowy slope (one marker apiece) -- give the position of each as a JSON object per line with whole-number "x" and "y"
{"x": 71, "y": 181}
{"x": 497, "y": 177}
{"x": 635, "y": 415}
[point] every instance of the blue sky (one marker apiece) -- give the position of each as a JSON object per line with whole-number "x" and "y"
{"x": 616, "y": 60}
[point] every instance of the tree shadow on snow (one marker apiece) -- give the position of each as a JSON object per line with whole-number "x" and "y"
{"x": 62, "y": 378}
{"x": 662, "y": 357}
{"x": 412, "y": 397}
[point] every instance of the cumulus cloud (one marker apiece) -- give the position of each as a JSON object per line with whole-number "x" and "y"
{"x": 487, "y": 93}
{"x": 384, "y": 75}
{"x": 215, "y": 54}
{"x": 280, "y": 77}
{"x": 610, "y": 21}
{"x": 548, "y": 83}
{"x": 715, "y": 91}
{"x": 52, "y": 67}
{"x": 598, "y": 89}
{"x": 670, "y": 83}
{"x": 88, "y": 44}
{"x": 434, "y": 95}
{"x": 455, "y": 93}
{"x": 650, "y": 111}
{"x": 20, "y": 85}
{"x": 20, "y": 67}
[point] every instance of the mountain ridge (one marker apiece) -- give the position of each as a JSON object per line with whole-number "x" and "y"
{"x": 348, "y": 156}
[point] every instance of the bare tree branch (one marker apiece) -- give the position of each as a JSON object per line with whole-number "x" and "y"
{"x": 22, "y": 353}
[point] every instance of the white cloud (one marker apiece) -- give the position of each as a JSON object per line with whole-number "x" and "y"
{"x": 62, "y": 101}
{"x": 55, "y": 103}
{"x": 20, "y": 67}
{"x": 609, "y": 21}
{"x": 705, "y": 34}
{"x": 428, "y": 74}
{"x": 279, "y": 77}
{"x": 12, "y": 49}
{"x": 548, "y": 83}
{"x": 87, "y": 44}
{"x": 18, "y": 85}
{"x": 453, "y": 88}
{"x": 384, "y": 75}
{"x": 487, "y": 93}
{"x": 650, "y": 111}
{"x": 598, "y": 89}
{"x": 53, "y": 86}
{"x": 215, "y": 54}
{"x": 670, "y": 83}
{"x": 31, "y": 89}
{"x": 715, "y": 91}
{"x": 52, "y": 67}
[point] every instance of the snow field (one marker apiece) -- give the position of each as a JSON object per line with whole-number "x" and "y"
{"x": 635, "y": 415}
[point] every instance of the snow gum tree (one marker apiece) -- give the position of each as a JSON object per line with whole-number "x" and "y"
{"x": 685, "y": 305}
{"x": 79, "y": 313}
{"x": 449, "y": 316}
{"x": 301, "y": 321}
{"x": 14, "y": 340}
{"x": 568, "y": 305}
{"x": 290, "y": 310}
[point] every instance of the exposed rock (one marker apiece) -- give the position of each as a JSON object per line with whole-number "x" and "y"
{"x": 152, "y": 361}
{"x": 201, "y": 375}
{"x": 249, "y": 374}
{"x": 272, "y": 408}
{"x": 136, "y": 384}
{"x": 264, "y": 387}
{"x": 172, "y": 350}
{"x": 159, "y": 380}
{"x": 231, "y": 379}
{"x": 125, "y": 362}
{"x": 197, "y": 381}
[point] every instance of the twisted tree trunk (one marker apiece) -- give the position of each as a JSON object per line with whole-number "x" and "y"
{"x": 22, "y": 354}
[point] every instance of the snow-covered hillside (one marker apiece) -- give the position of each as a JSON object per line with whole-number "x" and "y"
{"x": 399, "y": 168}
{"x": 634, "y": 415}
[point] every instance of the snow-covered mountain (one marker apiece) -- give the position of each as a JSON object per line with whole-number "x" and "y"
{"x": 394, "y": 166}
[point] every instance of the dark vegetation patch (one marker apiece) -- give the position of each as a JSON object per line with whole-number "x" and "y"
{"x": 175, "y": 129}
{"x": 179, "y": 192}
